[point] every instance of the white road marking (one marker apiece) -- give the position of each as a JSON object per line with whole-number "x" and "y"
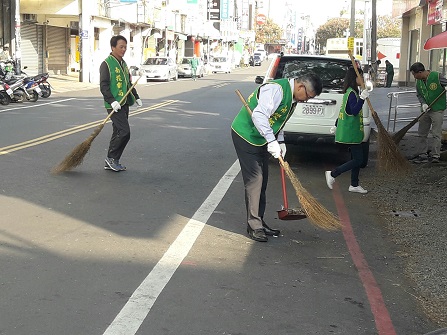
{"x": 34, "y": 106}
{"x": 130, "y": 318}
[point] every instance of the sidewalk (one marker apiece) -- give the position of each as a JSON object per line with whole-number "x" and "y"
{"x": 69, "y": 82}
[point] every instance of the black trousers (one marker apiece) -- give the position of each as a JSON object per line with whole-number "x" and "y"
{"x": 121, "y": 132}
{"x": 254, "y": 168}
{"x": 357, "y": 162}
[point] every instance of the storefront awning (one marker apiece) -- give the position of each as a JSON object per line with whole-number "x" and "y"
{"x": 436, "y": 42}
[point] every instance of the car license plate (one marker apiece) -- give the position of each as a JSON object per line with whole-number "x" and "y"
{"x": 316, "y": 110}
{"x": 218, "y": 66}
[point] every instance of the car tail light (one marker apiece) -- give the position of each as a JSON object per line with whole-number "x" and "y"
{"x": 272, "y": 73}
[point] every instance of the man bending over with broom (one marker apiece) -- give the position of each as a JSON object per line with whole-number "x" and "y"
{"x": 257, "y": 135}
{"x": 430, "y": 88}
{"x": 115, "y": 81}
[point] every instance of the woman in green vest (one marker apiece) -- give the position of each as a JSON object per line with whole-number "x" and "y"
{"x": 115, "y": 81}
{"x": 350, "y": 131}
{"x": 257, "y": 135}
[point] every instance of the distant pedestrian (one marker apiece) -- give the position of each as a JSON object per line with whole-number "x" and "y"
{"x": 115, "y": 81}
{"x": 389, "y": 73}
{"x": 350, "y": 131}
{"x": 429, "y": 86}
{"x": 4, "y": 55}
{"x": 194, "y": 62}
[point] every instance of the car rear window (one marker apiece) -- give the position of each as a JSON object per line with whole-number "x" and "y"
{"x": 331, "y": 72}
{"x": 156, "y": 61}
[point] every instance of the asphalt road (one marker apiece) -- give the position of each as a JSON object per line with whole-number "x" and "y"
{"x": 162, "y": 248}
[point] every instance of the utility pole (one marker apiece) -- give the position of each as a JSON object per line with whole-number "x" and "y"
{"x": 373, "y": 31}
{"x": 84, "y": 29}
{"x": 352, "y": 23}
{"x": 18, "y": 51}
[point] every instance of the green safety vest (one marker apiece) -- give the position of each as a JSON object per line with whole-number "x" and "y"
{"x": 349, "y": 127}
{"x": 119, "y": 82}
{"x": 243, "y": 124}
{"x": 430, "y": 90}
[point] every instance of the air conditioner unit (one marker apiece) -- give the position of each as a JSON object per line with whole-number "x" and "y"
{"x": 29, "y": 18}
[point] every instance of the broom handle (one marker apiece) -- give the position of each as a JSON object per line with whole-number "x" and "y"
{"x": 362, "y": 83}
{"x": 412, "y": 123}
{"x": 244, "y": 102}
{"x": 121, "y": 101}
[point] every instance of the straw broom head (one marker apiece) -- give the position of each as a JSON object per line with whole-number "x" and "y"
{"x": 317, "y": 214}
{"x": 76, "y": 156}
{"x": 390, "y": 160}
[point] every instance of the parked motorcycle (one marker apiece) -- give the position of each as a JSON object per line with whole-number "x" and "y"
{"x": 44, "y": 85}
{"x": 24, "y": 89}
{"x": 5, "y": 94}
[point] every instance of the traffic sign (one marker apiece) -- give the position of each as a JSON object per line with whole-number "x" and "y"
{"x": 351, "y": 43}
{"x": 261, "y": 19}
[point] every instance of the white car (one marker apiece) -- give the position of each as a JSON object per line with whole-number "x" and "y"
{"x": 220, "y": 64}
{"x": 159, "y": 68}
{"x": 313, "y": 119}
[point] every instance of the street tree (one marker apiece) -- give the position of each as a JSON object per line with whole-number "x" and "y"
{"x": 269, "y": 32}
{"x": 339, "y": 27}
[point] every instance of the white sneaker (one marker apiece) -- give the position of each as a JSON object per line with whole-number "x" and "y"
{"x": 329, "y": 179}
{"x": 357, "y": 189}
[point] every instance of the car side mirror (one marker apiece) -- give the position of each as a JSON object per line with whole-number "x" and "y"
{"x": 259, "y": 79}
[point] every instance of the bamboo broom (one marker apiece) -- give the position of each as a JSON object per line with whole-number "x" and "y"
{"x": 389, "y": 158}
{"x": 315, "y": 212}
{"x": 76, "y": 156}
{"x": 398, "y": 136}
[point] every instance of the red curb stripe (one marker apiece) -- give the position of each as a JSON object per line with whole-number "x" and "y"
{"x": 382, "y": 318}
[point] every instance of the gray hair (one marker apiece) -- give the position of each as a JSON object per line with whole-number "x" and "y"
{"x": 312, "y": 81}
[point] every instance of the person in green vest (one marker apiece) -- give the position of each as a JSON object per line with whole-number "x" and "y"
{"x": 389, "y": 68}
{"x": 194, "y": 64}
{"x": 350, "y": 131}
{"x": 430, "y": 87}
{"x": 257, "y": 135}
{"x": 115, "y": 81}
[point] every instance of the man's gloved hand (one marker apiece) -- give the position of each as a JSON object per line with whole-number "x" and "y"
{"x": 283, "y": 147}
{"x": 364, "y": 94}
{"x": 274, "y": 149}
{"x": 139, "y": 102}
{"x": 115, "y": 106}
{"x": 424, "y": 107}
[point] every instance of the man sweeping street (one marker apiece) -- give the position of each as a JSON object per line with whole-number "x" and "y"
{"x": 257, "y": 135}
{"x": 429, "y": 85}
{"x": 115, "y": 80}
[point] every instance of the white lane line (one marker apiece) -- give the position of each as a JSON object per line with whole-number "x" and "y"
{"x": 34, "y": 106}
{"x": 130, "y": 318}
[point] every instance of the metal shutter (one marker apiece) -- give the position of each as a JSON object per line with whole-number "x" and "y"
{"x": 57, "y": 46}
{"x": 32, "y": 48}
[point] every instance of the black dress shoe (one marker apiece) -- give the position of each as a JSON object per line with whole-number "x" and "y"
{"x": 269, "y": 231}
{"x": 257, "y": 234}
